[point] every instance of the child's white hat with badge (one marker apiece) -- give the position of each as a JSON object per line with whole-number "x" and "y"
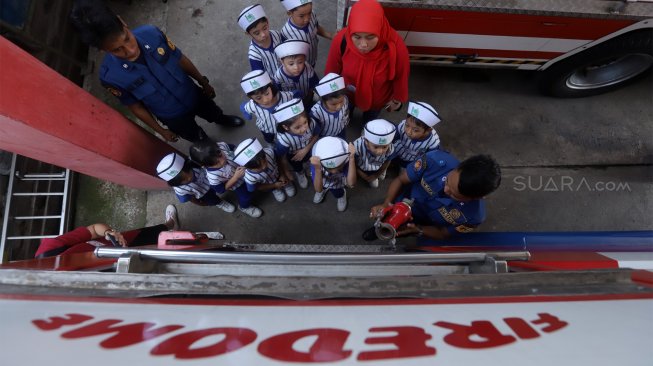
{"x": 291, "y": 4}
{"x": 249, "y": 15}
{"x": 170, "y": 166}
{"x": 288, "y": 110}
{"x": 246, "y": 151}
{"x": 332, "y": 151}
{"x": 379, "y": 132}
{"x": 330, "y": 83}
{"x": 292, "y": 47}
{"x": 424, "y": 112}
{"x": 254, "y": 80}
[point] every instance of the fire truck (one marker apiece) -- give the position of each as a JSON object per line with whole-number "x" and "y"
{"x": 579, "y": 48}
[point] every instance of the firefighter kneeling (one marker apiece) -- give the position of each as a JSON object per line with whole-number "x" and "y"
{"x": 447, "y": 197}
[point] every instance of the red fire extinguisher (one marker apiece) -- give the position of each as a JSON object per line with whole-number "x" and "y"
{"x": 391, "y": 218}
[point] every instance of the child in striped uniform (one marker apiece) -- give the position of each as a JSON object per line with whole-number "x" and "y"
{"x": 262, "y": 172}
{"x": 333, "y": 168}
{"x": 416, "y": 135}
{"x": 261, "y": 48}
{"x": 332, "y": 110}
{"x": 189, "y": 182}
{"x": 374, "y": 151}
{"x": 295, "y": 73}
{"x": 264, "y": 97}
{"x": 302, "y": 24}
{"x": 296, "y": 134}
{"x": 223, "y": 174}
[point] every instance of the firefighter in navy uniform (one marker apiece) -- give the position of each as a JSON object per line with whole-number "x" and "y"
{"x": 149, "y": 74}
{"x": 448, "y": 195}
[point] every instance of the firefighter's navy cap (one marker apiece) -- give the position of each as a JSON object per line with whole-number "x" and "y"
{"x": 288, "y": 110}
{"x": 332, "y": 151}
{"x": 246, "y": 151}
{"x": 330, "y": 83}
{"x": 249, "y": 15}
{"x": 291, "y": 48}
{"x": 291, "y": 4}
{"x": 170, "y": 166}
{"x": 379, "y": 132}
{"x": 424, "y": 112}
{"x": 254, "y": 80}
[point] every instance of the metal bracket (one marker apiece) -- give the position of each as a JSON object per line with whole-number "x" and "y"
{"x": 491, "y": 265}
{"x": 133, "y": 263}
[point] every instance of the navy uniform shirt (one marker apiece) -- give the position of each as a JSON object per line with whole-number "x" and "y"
{"x": 428, "y": 175}
{"x": 156, "y": 79}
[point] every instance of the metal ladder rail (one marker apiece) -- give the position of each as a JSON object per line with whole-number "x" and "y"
{"x": 35, "y": 177}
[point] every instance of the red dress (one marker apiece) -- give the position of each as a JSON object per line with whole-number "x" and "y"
{"x": 379, "y": 75}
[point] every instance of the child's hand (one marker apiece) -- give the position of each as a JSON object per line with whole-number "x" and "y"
{"x": 393, "y": 105}
{"x": 240, "y": 172}
{"x": 315, "y": 161}
{"x": 352, "y": 150}
{"x": 300, "y": 154}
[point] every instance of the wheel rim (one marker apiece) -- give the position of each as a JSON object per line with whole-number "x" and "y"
{"x": 609, "y": 73}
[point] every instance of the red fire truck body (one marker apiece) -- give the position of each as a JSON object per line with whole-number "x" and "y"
{"x": 581, "y": 47}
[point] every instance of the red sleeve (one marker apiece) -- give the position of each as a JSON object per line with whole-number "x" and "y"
{"x": 65, "y": 241}
{"x": 400, "y": 83}
{"x": 334, "y": 59}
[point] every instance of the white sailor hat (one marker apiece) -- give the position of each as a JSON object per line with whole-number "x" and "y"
{"x": 379, "y": 132}
{"x": 170, "y": 166}
{"x": 332, "y": 151}
{"x": 246, "y": 151}
{"x": 288, "y": 110}
{"x": 330, "y": 83}
{"x": 292, "y": 47}
{"x": 424, "y": 112}
{"x": 249, "y": 15}
{"x": 254, "y": 80}
{"x": 291, "y": 4}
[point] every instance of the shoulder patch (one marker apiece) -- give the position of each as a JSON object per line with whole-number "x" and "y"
{"x": 170, "y": 44}
{"x": 114, "y": 91}
{"x": 464, "y": 229}
{"x": 419, "y": 164}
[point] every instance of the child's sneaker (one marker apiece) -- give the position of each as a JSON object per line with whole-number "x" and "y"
{"x": 301, "y": 179}
{"x": 251, "y": 211}
{"x": 290, "y": 189}
{"x": 382, "y": 175}
{"x": 226, "y": 206}
{"x": 172, "y": 221}
{"x": 375, "y": 183}
{"x": 341, "y": 205}
{"x": 319, "y": 196}
{"x": 279, "y": 195}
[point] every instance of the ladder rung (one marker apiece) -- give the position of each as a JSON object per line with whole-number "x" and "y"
{"x": 26, "y": 194}
{"x": 31, "y": 237}
{"x": 36, "y": 176}
{"x": 37, "y": 217}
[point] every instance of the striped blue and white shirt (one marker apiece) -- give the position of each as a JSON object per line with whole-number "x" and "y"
{"x": 408, "y": 149}
{"x": 307, "y": 34}
{"x": 288, "y": 143}
{"x": 218, "y": 177}
{"x": 305, "y": 82}
{"x": 264, "y": 119}
{"x": 269, "y": 175}
{"x": 265, "y": 58}
{"x": 196, "y": 188}
{"x": 333, "y": 181}
{"x": 368, "y": 162}
{"x": 332, "y": 123}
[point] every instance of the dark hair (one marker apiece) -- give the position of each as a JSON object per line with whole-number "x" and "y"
{"x": 95, "y": 21}
{"x": 205, "y": 152}
{"x": 289, "y": 122}
{"x": 257, "y": 22}
{"x": 188, "y": 168}
{"x": 297, "y": 7}
{"x": 262, "y": 89}
{"x": 420, "y": 123}
{"x": 480, "y": 175}
{"x": 256, "y": 161}
{"x": 333, "y": 95}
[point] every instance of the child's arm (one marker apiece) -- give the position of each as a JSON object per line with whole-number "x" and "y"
{"x": 351, "y": 174}
{"x": 244, "y": 111}
{"x": 271, "y": 186}
{"x": 301, "y": 153}
{"x": 240, "y": 172}
{"x": 317, "y": 173}
{"x": 363, "y": 175}
{"x": 324, "y": 33}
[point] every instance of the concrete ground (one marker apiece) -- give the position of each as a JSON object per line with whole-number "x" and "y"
{"x": 568, "y": 165}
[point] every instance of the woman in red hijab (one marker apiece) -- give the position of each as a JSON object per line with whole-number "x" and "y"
{"x": 374, "y": 61}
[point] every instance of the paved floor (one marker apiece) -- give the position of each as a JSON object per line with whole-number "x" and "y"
{"x": 576, "y": 164}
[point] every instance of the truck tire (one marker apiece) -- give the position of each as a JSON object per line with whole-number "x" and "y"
{"x": 602, "y": 68}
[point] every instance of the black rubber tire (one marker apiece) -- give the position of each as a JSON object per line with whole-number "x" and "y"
{"x": 558, "y": 80}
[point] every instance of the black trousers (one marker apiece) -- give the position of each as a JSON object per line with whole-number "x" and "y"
{"x": 186, "y": 126}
